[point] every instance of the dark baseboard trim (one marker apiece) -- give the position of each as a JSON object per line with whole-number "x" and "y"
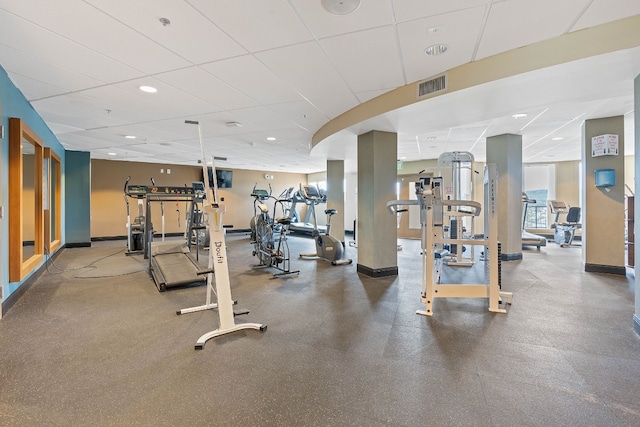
{"x": 377, "y": 272}
{"x": 26, "y": 285}
{"x": 79, "y": 245}
{"x": 511, "y": 257}
{"x": 636, "y": 323}
{"x": 610, "y": 269}
{"x": 106, "y": 238}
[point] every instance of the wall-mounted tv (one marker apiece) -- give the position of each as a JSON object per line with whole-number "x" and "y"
{"x": 224, "y": 178}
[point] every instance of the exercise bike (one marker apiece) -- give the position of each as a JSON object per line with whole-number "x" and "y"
{"x": 327, "y": 246}
{"x": 263, "y": 229}
{"x": 564, "y": 232}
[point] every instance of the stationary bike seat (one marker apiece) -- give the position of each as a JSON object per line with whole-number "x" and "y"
{"x": 330, "y": 212}
{"x": 284, "y": 220}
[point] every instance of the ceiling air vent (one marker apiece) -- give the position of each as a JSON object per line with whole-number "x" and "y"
{"x": 432, "y": 86}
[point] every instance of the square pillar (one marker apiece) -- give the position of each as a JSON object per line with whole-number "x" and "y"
{"x": 377, "y": 234}
{"x": 505, "y": 151}
{"x": 335, "y": 197}
{"x": 603, "y": 208}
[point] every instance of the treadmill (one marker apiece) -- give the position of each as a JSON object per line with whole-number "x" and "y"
{"x": 170, "y": 262}
{"x": 305, "y": 226}
{"x": 530, "y": 239}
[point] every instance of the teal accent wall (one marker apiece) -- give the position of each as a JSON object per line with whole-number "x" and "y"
{"x": 78, "y": 207}
{"x": 14, "y": 104}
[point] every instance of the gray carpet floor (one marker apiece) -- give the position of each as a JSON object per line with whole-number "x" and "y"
{"x": 98, "y": 345}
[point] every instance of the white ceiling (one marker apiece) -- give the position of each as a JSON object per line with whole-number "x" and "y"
{"x": 284, "y": 68}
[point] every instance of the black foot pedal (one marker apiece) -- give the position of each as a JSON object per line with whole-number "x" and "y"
{"x": 240, "y": 313}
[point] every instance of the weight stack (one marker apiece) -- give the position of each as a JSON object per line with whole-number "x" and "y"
{"x": 487, "y": 264}
{"x": 500, "y": 265}
{"x": 453, "y": 234}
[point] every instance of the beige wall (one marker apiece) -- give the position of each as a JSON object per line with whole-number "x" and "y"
{"x": 108, "y": 208}
{"x": 567, "y": 182}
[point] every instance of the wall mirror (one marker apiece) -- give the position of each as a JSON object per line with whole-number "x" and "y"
{"x": 51, "y": 199}
{"x": 26, "y": 215}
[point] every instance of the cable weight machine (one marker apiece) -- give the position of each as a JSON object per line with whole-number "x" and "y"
{"x": 434, "y": 241}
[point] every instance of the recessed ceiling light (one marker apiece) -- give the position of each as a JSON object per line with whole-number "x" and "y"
{"x": 233, "y": 124}
{"x": 271, "y": 138}
{"x": 340, "y": 7}
{"x": 519, "y": 116}
{"x": 557, "y": 138}
{"x": 148, "y": 89}
{"x": 436, "y": 49}
{"x": 112, "y": 154}
{"x": 130, "y": 136}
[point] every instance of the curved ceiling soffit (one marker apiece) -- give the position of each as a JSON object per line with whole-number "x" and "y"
{"x": 613, "y": 36}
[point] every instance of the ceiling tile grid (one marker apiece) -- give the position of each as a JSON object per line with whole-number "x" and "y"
{"x": 284, "y": 68}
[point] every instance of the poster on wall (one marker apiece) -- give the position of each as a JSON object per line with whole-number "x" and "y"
{"x": 604, "y": 145}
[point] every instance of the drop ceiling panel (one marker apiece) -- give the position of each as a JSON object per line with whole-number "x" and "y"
{"x": 323, "y": 24}
{"x": 332, "y": 104}
{"x": 77, "y": 110}
{"x": 253, "y": 78}
{"x": 189, "y": 34}
{"x": 61, "y": 18}
{"x": 457, "y": 30}
{"x": 32, "y": 88}
{"x": 509, "y": 23}
{"x": 408, "y": 10}
{"x": 167, "y": 102}
{"x": 40, "y": 78}
{"x": 364, "y": 68}
{"x": 601, "y": 11}
{"x": 255, "y": 118}
{"x": 302, "y": 113}
{"x": 311, "y": 64}
{"x": 256, "y": 25}
{"x": 369, "y": 94}
{"x": 203, "y": 85}
{"x": 41, "y": 50}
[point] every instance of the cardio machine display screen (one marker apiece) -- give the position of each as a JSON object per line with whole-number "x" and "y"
{"x": 311, "y": 191}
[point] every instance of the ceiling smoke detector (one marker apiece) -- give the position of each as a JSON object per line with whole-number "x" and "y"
{"x": 233, "y": 124}
{"x": 340, "y": 7}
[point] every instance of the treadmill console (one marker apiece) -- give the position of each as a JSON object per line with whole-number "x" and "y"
{"x": 310, "y": 192}
{"x": 260, "y": 194}
{"x": 180, "y": 191}
{"x": 558, "y": 206}
{"x": 134, "y": 190}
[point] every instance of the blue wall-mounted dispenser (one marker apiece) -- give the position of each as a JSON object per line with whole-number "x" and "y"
{"x": 605, "y": 177}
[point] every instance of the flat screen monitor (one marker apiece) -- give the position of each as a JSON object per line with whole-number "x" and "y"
{"x": 224, "y": 178}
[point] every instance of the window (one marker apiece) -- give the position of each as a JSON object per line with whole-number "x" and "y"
{"x": 538, "y": 184}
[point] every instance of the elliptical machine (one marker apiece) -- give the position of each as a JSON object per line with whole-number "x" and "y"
{"x": 136, "y": 240}
{"x": 327, "y": 246}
